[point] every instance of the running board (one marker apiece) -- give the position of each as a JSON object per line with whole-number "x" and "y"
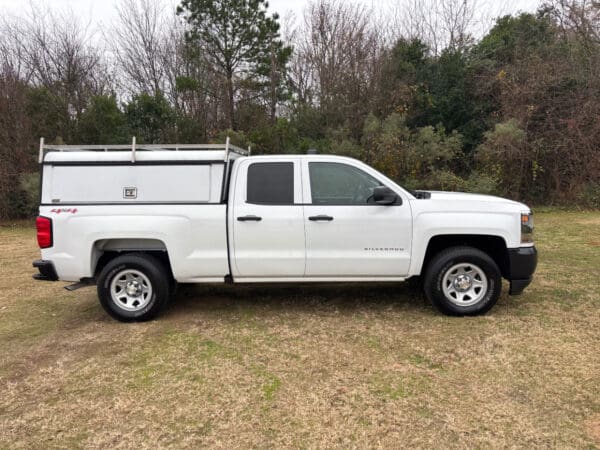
{"x": 84, "y": 282}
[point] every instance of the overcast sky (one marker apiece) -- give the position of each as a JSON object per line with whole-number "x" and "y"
{"x": 101, "y": 12}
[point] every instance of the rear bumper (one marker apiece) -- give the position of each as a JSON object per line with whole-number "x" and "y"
{"x": 522, "y": 264}
{"x": 46, "y": 269}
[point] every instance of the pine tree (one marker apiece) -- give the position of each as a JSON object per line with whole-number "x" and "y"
{"x": 237, "y": 36}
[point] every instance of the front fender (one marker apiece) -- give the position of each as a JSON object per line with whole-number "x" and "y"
{"x": 430, "y": 224}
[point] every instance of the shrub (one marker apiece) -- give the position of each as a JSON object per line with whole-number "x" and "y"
{"x": 444, "y": 180}
{"x": 482, "y": 183}
{"x": 590, "y": 196}
{"x": 30, "y": 194}
{"x": 237, "y": 138}
{"x": 504, "y": 156}
{"x": 421, "y": 158}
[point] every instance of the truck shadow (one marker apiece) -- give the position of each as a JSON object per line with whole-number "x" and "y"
{"x": 309, "y": 298}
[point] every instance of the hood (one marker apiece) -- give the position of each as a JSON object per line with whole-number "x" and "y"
{"x": 463, "y": 196}
{"x": 481, "y": 199}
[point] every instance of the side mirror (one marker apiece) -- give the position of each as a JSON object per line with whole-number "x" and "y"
{"x": 383, "y": 195}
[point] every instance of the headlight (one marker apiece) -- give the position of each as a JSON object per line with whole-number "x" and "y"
{"x": 527, "y": 228}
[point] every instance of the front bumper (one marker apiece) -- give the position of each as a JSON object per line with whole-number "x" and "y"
{"x": 522, "y": 263}
{"x": 47, "y": 270}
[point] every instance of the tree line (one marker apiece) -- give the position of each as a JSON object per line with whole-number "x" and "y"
{"x": 513, "y": 110}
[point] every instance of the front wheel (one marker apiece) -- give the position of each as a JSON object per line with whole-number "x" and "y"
{"x": 463, "y": 281}
{"x": 133, "y": 287}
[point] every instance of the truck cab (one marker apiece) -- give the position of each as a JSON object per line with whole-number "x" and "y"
{"x": 137, "y": 220}
{"x": 317, "y": 218}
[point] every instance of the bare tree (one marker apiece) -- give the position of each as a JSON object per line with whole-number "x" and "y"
{"x": 12, "y": 50}
{"x": 300, "y": 70}
{"x": 578, "y": 17}
{"x": 15, "y": 141}
{"x": 141, "y": 40}
{"x": 49, "y": 49}
{"x": 56, "y": 52}
{"x": 337, "y": 51}
{"x": 445, "y": 24}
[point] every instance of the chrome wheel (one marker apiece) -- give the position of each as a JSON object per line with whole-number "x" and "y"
{"x": 464, "y": 284}
{"x": 130, "y": 290}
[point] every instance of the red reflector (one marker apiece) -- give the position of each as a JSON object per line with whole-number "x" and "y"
{"x": 44, "y": 232}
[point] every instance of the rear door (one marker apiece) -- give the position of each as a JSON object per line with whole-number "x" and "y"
{"x": 268, "y": 219}
{"x": 347, "y": 234}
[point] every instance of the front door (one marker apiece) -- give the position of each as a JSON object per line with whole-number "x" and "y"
{"x": 347, "y": 234}
{"x": 268, "y": 220}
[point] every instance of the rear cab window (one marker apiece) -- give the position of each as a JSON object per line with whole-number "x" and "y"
{"x": 270, "y": 183}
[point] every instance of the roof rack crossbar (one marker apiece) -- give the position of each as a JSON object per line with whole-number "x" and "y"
{"x": 135, "y": 147}
{"x": 141, "y": 147}
{"x": 41, "y": 156}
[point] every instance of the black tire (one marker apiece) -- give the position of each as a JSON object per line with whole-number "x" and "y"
{"x": 415, "y": 282}
{"x": 173, "y": 287}
{"x": 156, "y": 276}
{"x": 449, "y": 258}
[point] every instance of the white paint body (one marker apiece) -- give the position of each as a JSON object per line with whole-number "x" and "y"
{"x": 179, "y": 209}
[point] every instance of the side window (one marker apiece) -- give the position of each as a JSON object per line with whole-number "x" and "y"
{"x": 271, "y": 183}
{"x": 340, "y": 184}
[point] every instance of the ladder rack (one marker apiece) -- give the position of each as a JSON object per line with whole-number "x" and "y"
{"x": 133, "y": 148}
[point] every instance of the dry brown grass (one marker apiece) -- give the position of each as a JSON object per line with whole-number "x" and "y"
{"x": 308, "y": 366}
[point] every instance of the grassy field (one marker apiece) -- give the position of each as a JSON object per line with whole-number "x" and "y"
{"x": 335, "y": 366}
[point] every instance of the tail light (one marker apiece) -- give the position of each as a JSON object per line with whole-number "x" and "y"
{"x": 44, "y": 231}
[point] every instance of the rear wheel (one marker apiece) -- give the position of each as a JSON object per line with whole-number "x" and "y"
{"x": 133, "y": 287}
{"x": 463, "y": 281}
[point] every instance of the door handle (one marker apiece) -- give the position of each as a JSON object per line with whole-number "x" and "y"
{"x": 320, "y": 218}
{"x": 249, "y": 219}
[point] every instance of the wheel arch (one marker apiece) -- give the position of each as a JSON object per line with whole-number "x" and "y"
{"x": 494, "y": 246}
{"x": 105, "y": 250}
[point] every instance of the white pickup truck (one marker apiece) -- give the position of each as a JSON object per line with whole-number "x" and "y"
{"x": 137, "y": 220}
